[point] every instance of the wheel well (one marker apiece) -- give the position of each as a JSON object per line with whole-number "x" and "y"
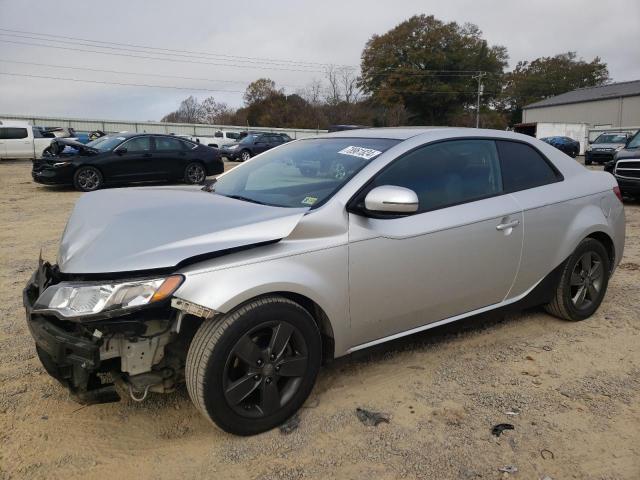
{"x": 321, "y": 319}
{"x": 606, "y": 240}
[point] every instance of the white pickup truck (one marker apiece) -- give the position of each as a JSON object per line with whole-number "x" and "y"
{"x": 22, "y": 140}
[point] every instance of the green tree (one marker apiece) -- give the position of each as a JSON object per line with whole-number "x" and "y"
{"x": 425, "y": 65}
{"x": 259, "y": 90}
{"x": 549, "y": 76}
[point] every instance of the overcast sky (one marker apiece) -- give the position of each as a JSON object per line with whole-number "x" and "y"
{"x": 322, "y": 31}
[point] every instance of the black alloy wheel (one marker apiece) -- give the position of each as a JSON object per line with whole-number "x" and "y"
{"x": 583, "y": 283}
{"x": 251, "y": 369}
{"x": 265, "y": 369}
{"x": 87, "y": 179}
{"x": 587, "y": 280}
{"x": 194, "y": 174}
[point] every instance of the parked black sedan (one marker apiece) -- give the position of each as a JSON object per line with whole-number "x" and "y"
{"x": 565, "y": 144}
{"x": 125, "y": 158}
{"x": 253, "y": 144}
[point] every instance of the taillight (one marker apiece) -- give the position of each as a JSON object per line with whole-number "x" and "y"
{"x": 618, "y": 193}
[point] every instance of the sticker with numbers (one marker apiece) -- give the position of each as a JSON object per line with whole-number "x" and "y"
{"x": 309, "y": 200}
{"x": 360, "y": 152}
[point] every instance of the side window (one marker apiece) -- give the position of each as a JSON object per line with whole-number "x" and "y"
{"x": 188, "y": 145}
{"x": 447, "y": 173}
{"x": 233, "y": 135}
{"x": 12, "y": 133}
{"x": 167, "y": 144}
{"x": 523, "y": 167}
{"x": 138, "y": 144}
{"x": 218, "y": 135}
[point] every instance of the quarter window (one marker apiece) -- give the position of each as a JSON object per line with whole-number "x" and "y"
{"x": 168, "y": 144}
{"x": 447, "y": 173}
{"x": 523, "y": 167}
{"x": 10, "y": 133}
{"x": 138, "y": 144}
{"x": 218, "y": 135}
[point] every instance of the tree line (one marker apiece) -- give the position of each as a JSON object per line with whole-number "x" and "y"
{"x": 422, "y": 72}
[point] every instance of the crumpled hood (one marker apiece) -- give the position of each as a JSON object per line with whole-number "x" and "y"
{"x": 129, "y": 229}
{"x": 58, "y": 145}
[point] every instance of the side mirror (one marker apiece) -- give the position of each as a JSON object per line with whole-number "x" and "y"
{"x": 391, "y": 199}
{"x": 121, "y": 150}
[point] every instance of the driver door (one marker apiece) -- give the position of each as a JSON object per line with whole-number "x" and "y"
{"x": 460, "y": 252}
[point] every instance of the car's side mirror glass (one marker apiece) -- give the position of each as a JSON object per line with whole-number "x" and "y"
{"x": 121, "y": 150}
{"x": 391, "y": 199}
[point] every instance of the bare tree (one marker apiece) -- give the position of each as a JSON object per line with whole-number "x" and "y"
{"x": 348, "y": 81}
{"x": 214, "y": 112}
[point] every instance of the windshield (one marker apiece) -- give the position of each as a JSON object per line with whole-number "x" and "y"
{"x": 106, "y": 143}
{"x": 635, "y": 141}
{"x": 611, "y": 138}
{"x": 303, "y": 173}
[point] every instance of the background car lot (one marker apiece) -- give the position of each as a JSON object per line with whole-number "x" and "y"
{"x": 445, "y": 390}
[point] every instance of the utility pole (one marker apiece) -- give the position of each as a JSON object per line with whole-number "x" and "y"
{"x": 480, "y": 91}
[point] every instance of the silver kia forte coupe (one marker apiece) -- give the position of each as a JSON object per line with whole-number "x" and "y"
{"x": 310, "y": 251}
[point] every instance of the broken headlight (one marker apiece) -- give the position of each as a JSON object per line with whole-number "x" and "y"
{"x": 74, "y": 299}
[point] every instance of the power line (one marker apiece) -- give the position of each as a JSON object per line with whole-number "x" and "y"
{"x": 256, "y": 61}
{"x": 121, "y": 84}
{"x": 120, "y": 72}
{"x": 174, "y": 87}
{"x": 233, "y": 57}
{"x": 155, "y": 58}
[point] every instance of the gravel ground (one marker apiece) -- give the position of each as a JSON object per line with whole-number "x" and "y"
{"x": 571, "y": 390}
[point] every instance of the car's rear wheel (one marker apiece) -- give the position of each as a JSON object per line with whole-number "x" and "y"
{"x": 194, "y": 173}
{"x": 245, "y": 155}
{"x": 87, "y": 179}
{"x": 254, "y": 368}
{"x": 587, "y": 161}
{"x": 583, "y": 284}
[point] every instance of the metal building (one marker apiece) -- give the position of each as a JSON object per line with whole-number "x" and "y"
{"x": 616, "y": 105}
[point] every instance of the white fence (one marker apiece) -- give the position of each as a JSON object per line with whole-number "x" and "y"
{"x": 113, "y": 126}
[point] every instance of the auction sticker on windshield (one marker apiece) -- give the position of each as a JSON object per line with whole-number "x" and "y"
{"x": 360, "y": 152}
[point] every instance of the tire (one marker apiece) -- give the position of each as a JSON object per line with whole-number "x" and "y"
{"x": 232, "y": 389}
{"x": 194, "y": 173}
{"x": 87, "y": 179}
{"x": 587, "y": 161}
{"x": 576, "y": 279}
{"x": 245, "y": 155}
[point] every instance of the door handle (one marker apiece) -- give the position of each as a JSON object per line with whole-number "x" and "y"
{"x": 505, "y": 226}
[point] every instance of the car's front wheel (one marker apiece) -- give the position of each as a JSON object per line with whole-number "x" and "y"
{"x": 254, "y": 368}
{"x": 583, "y": 284}
{"x": 87, "y": 179}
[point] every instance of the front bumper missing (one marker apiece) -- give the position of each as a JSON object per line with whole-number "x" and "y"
{"x": 70, "y": 356}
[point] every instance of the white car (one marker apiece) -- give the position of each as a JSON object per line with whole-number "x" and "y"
{"x": 20, "y": 140}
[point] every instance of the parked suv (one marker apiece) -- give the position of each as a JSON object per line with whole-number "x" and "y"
{"x": 253, "y": 144}
{"x": 125, "y": 158}
{"x": 604, "y": 147}
{"x": 23, "y": 141}
{"x": 626, "y": 167}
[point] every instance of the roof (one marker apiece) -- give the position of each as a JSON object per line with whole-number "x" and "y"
{"x": 394, "y": 133}
{"x": 590, "y": 94}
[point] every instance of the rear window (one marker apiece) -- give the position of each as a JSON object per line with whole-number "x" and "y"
{"x": 13, "y": 133}
{"x": 523, "y": 167}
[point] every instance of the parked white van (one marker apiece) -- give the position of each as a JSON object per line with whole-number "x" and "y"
{"x": 20, "y": 140}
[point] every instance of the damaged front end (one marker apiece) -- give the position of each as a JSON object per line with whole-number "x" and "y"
{"x": 90, "y": 335}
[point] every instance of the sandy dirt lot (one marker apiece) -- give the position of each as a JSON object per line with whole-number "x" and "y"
{"x": 574, "y": 386}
